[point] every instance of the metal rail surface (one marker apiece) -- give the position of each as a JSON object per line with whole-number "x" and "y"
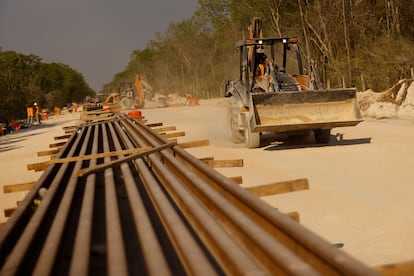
{"x": 161, "y": 213}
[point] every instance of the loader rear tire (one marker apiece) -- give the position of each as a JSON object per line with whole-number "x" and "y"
{"x": 322, "y": 136}
{"x": 125, "y": 103}
{"x": 251, "y": 139}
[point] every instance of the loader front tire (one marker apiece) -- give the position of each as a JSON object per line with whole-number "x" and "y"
{"x": 232, "y": 120}
{"x": 251, "y": 139}
{"x": 322, "y": 136}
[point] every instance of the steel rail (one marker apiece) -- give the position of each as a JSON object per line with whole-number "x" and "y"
{"x": 163, "y": 214}
{"x": 316, "y": 251}
{"x": 81, "y": 251}
{"x": 155, "y": 260}
{"x": 230, "y": 250}
{"x": 283, "y": 261}
{"x": 25, "y": 245}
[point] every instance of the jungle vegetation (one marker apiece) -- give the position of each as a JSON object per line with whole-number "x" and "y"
{"x": 25, "y": 79}
{"x": 355, "y": 43}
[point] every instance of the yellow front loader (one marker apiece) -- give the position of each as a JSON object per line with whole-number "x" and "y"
{"x": 275, "y": 93}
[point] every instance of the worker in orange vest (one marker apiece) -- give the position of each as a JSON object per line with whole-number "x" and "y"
{"x": 29, "y": 115}
{"x": 260, "y": 70}
{"x": 37, "y": 112}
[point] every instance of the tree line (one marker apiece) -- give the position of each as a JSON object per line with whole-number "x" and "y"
{"x": 25, "y": 79}
{"x": 355, "y": 43}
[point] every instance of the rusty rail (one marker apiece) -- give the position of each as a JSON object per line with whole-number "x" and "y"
{"x": 162, "y": 214}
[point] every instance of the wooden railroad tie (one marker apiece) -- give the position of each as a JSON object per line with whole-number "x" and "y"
{"x": 21, "y": 187}
{"x": 96, "y": 112}
{"x": 70, "y": 131}
{"x": 100, "y": 167}
{"x": 49, "y": 152}
{"x": 404, "y": 268}
{"x": 174, "y": 135}
{"x": 98, "y": 119}
{"x": 279, "y": 187}
{"x": 224, "y": 163}
{"x": 236, "y": 179}
{"x": 41, "y": 166}
{"x": 162, "y": 129}
{"x": 194, "y": 144}
{"x": 56, "y": 145}
{"x": 67, "y": 136}
{"x": 293, "y": 215}
{"x": 154, "y": 124}
{"x": 70, "y": 128}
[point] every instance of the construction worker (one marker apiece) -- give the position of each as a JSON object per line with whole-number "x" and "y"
{"x": 75, "y": 107}
{"x": 37, "y": 112}
{"x": 260, "y": 70}
{"x": 29, "y": 115}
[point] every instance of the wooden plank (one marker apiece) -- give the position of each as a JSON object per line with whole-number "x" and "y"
{"x": 41, "y": 166}
{"x": 293, "y": 215}
{"x": 205, "y": 159}
{"x": 98, "y": 119}
{"x": 172, "y": 141}
{"x": 100, "y": 167}
{"x": 162, "y": 129}
{"x": 55, "y": 145}
{"x": 18, "y": 187}
{"x": 37, "y": 167}
{"x": 193, "y": 144}
{"x": 112, "y": 119}
{"x": 70, "y": 131}
{"x": 237, "y": 179}
{"x": 99, "y": 155}
{"x": 175, "y": 134}
{"x": 225, "y": 163}
{"x": 62, "y": 137}
{"x": 70, "y": 127}
{"x": 96, "y": 112}
{"x": 48, "y": 152}
{"x": 154, "y": 124}
{"x": 279, "y": 187}
{"x": 405, "y": 268}
{"x": 8, "y": 212}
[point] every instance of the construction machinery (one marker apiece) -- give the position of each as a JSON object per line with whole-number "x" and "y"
{"x": 131, "y": 95}
{"x": 276, "y": 93}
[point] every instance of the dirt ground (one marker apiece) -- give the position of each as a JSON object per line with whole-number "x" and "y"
{"x": 361, "y": 184}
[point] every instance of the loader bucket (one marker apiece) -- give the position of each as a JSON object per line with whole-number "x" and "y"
{"x": 304, "y": 110}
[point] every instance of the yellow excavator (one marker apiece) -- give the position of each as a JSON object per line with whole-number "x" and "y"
{"x": 276, "y": 93}
{"x": 130, "y": 95}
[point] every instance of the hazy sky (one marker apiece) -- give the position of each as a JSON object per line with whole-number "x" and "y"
{"x": 95, "y": 37}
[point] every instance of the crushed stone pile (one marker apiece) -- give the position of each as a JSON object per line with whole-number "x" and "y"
{"x": 394, "y": 103}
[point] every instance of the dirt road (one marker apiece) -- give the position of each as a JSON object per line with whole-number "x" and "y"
{"x": 361, "y": 184}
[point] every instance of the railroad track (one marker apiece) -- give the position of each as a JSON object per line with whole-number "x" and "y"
{"x": 152, "y": 209}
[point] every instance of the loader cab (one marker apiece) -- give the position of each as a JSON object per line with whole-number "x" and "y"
{"x": 283, "y": 58}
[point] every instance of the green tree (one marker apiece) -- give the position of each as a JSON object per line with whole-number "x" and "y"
{"x": 24, "y": 79}
{"x": 354, "y": 43}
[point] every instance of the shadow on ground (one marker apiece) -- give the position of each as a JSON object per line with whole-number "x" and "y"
{"x": 269, "y": 144}
{"x": 7, "y": 142}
